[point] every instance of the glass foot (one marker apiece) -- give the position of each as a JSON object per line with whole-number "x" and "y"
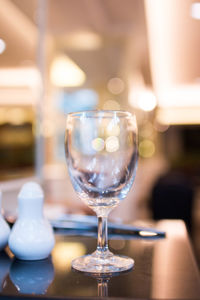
{"x": 102, "y": 263}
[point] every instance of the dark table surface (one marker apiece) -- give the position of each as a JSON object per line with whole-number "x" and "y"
{"x": 164, "y": 269}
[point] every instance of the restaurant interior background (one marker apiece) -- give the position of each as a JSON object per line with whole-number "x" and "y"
{"x": 71, "y": 55}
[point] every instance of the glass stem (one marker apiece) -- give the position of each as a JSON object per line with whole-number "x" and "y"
{"x": 102, "y": 241}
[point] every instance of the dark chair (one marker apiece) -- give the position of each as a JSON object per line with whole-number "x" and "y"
{"x": 172, "y": 198}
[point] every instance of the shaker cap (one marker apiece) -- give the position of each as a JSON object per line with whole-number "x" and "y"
{"x": 31, "y": 190}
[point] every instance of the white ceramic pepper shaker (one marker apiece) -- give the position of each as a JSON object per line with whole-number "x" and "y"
{"x": 31, "y": 237}
{"x": 4, "y": 229}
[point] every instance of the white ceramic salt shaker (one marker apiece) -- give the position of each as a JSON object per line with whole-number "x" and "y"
{"x": 31, "y": 237}
{"x": 4, "y": 229}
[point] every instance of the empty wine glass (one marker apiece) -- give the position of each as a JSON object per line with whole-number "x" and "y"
{"x": 101, "y": 153}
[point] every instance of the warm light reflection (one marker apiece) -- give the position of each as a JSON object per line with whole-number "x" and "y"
{"x": 112, "y": 144}
{"x": 64, "y": 253}
{"x": 146, "y": 148}
{"x": 2, "y": 46}
{"x": 115, "y": 85}
{"x": 65, "y": 73}
{"x": 170, "y": 258}
{"x": 98, "y": 144}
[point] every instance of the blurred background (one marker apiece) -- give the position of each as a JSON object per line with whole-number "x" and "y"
{"x": 70, "y": 55}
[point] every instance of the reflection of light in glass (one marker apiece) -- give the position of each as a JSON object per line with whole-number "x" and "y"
{"x": 64, "y": 253}
{"x": 115, "y": 85}
{"x": 195, "y": 10}
{"x": 64, "y": 72}
{"x": 111, "y": 105}
{"x": 112, "y": 144}
{"x": 2, "y": 46}
{"x": 98, "y": 144}
{"x": 146, "y": 148}
{"x": 147, "y": 100}
{"x": 113, "y": 129}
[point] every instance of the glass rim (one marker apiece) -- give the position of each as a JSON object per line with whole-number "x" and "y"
{"x": 105, "y": 113}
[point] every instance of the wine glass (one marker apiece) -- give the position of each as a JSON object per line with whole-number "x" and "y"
{"x": 101, "y": 153}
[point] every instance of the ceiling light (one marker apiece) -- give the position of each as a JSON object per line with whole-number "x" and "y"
{"x": 147, "y": 100}
{"x": 177, "y": 115}
{"x": 195, "y": 10}
{"x": 180, "y": 96}
{"x": 65, "y": 73}
{"x": 19, "y": 77}
{"x": 2, "y": 46}
{"x": 142, "y": 98}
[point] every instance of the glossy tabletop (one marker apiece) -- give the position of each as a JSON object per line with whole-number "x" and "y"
{"x": 164, "y": 269}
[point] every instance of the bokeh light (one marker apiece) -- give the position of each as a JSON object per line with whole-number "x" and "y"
{"x": 98, "y": 144}
{"x": 111, "y": 105}
{"x": 147, "y": 100}
{"x": 147, "y": 130}
{"x": 63, "y": 253}
{"x": 146, "y": 148}
{"x": 115, "y": 85}
{"x": 112, "y": 144}
{"x": 160, "y": 127}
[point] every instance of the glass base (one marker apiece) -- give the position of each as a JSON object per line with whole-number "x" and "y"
{"x": 102, "y": 263}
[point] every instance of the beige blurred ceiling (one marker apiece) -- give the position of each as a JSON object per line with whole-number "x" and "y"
{"x": 119, "y": 24}
{"x": 172, "y": 43}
